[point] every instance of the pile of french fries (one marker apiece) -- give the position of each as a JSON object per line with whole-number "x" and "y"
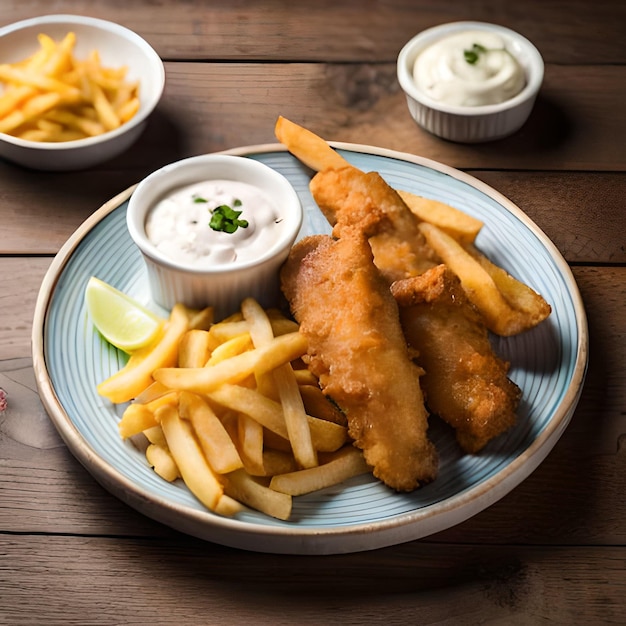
{"x": 507, "y": 305}
{"x": 52, "y": 96}
{"x": 231, "y": 409}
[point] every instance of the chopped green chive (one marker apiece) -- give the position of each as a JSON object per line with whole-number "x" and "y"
{"x": 226, "y": 219}
{"x": 473, "y": 54}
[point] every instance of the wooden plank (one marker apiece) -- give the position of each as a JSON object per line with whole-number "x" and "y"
{"x": 582, "y": 213}
{"x": 324, "y": 30}
{"x": 21, "y": 279}
{"x": 115, "y": 580}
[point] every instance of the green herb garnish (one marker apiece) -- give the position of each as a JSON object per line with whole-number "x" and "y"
{"x": 198, "y": 199}
{"x": 473, "y": 54}
{"x": 226, "y": 219}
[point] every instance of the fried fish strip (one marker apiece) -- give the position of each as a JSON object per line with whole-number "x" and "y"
{"x": 357, "y": 350}
{"x": 452, "y": 341}
{"x": 350, "y": 197}
{"x": 465, "y": 383}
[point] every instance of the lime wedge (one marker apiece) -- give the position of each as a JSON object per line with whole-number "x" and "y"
{"x": 122, "y": 321}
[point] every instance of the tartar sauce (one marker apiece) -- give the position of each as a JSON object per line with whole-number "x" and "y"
{"x": 471, "y": 68}
{"x": 179, "y": 224}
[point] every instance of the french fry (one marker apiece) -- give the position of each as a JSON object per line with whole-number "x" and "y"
{"x": 171, "y": 397}
{"x": 193, "y": 349}
{"x": 155, "y": 435}
{"x": 293, "y": 407}
{"x": 191, "y": 462}
{"x": 106, "y": 114}
{"x": 31, "y": 109}
{"x": 326, "y": 436}
{"x": 152, "y": 392}
{"x": 13, "y": 96}
{"x": 281, "y": 325}
{"x": 243, "y": 487}
{"x": 519, "y": 295}
{"x": 460, "y": 225}
{"x": 17, "y": 76}
{"x": 59, "y": 57}
{"x": 278, "y": 462}
{"x": 128, "y": 110}
{"x": 136, "y": 375}
{"x": 228, "y": 349}
{"x": 305, "y": 377}
{"x": 138, "y": 417}
{"x": 499, "y": 315}
{"x": 344, "y": 464}
{"x": 306, "y": 146}
{"x": 203, "y": 380}
{"x": 214, "y": 440}
{"x": 228, "y": 507}
{"x": 201, "y": 319}
{"x": 161, "y": 459}
{"x": 318, "y": 405}
{"x": 76, "y": 120}
{"x": 223, "y": 331}
{"x": 250, "y": 437}
{"x": 264, "y": 410}
{"x": 135, "y": 419}
{"x": 296, "y": 418}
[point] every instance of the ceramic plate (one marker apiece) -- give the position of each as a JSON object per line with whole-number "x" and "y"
{"x": 548, "y": 363}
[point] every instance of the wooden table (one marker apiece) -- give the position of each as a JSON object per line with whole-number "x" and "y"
{"x": 554, "y": 549}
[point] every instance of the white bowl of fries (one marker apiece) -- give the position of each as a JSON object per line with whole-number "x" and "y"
{"x": 75, "y": 91}
{"x": 220, "y": 284}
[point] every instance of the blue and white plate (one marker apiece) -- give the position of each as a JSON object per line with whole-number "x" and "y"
{"x": 548, "y": 363}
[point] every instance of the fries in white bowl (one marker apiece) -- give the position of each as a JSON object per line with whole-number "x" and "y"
{"x": 74, "y": 90}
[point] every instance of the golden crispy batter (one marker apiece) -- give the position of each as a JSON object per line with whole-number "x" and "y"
{"x": 358, "y": 351}
{"x": 465, "y": 383}
{"x": 351, "y": 198}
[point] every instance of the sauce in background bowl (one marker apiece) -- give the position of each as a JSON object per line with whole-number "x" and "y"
{"x": 464, "y": 79}
{"x": 469, "y": 68}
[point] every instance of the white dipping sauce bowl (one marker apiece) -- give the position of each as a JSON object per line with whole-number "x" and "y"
{"x": 221, "y": 286}
{"x": 118, "y": 47}
{"x": 471, "y": 124}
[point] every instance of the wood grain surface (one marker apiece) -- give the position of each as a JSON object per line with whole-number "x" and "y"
{"x": 551, "y": 551}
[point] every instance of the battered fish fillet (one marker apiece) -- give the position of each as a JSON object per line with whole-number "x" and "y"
{"x": 465, "y": 383}
{"x": 350, "y": 197}
{"x": 358, "y": 352}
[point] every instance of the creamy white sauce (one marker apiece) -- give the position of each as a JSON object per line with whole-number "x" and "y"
{"x": 443, "y": 73}
{"x": 178, "y": 225}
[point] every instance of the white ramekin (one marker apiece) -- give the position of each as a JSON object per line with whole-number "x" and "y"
{"x": 222, "y": 286}
{"x": 478, "y": 123}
